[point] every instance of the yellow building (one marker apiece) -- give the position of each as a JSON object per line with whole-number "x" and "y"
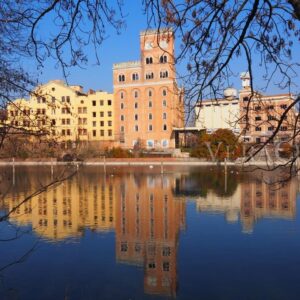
{"x": 65, "y": 113}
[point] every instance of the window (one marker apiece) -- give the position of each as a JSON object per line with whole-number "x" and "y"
{"x": 109, "y": 102}
{"x": 136, "y": 117}
{"x": 283, "y": 106}
{"x": 121, "y": 78}
{"x": 94, "y": 114}
{"x": 257, "y": 128}
{"x": 150, "y": 93}
{"x": 164, "y": 127}
{"x": 257, "y": 118}
{"x": 101, "y": 132}
{"x": 166, "y": 251}
{"x": 164, "y": 74}
{"x": 271, "y": 128}
{"x": 101, "y": 102}
{"x": 109, "y": 132}
{"x": 63, "y": 99}
{"x": 101, "y": 114}
{"x": 283, "y": 128}
{"x": 136, "y": 94}
{"x": 164, "y": 103}
{"x": 135, "y": 76}
{"x": 68, "y": 99}
{"x": 122, "y": 118}
{"x": 164, "y": 116}
{"x": 149, "y": 60}
{"x": 246, "y": 99}
{"x": 109, "y": 113}
{"x": 166, "y": 266}
{"x": 136, "y": 105}
{"x": 150, "y": 128}
{"x": 150, "y": 103}
{"x": 151, "y": 265}
{"x": 122, "y": 129}
{"x": 94, "y": 133}
{"x": 165, "y": 143}
{"x": 102, "y": 123}
{"x": 109, "y": 123}
{"x": 122, "y": 95}
{"x": 68, "y": 132}
{"x": 150, "y": 144}
{"x": 270, "y": 118}
{"x": 270, "y": 107}
{"x": 163, "y": 59}
{"x": 257, "y": 108}
{"x": 136, "y": 128}
{"x": 53, "y": 99}
{"x": 94, "y": 123}
{"x": 122, "y": 105}
{"x": 164, "y": 93}
{"x": 149, "y": 75}
{"x": 150, "y": 116}
{"x": 94, "y": 102}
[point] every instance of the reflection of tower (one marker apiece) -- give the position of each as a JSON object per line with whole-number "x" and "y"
{"x": 148, "y": 223}
{"x": 261, "y": 200}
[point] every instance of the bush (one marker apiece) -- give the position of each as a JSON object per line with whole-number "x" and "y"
{"x": 117, "y": 153}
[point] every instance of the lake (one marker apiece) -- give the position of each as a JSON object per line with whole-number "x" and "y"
{"x": 137, "y": 233}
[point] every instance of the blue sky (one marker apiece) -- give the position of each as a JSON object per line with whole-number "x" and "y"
{"x": 125, "y": 47}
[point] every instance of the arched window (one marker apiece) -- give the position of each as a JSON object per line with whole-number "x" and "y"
{"x": 135, "y": 76}
{"x": 121, "y": 78}
{"x": 149, "y": 75}
{"x": 164, "y": 116}
{"x": 164, "y": 127}
{"x": 150, "y": 116}
{"x": 122, "y": 95}
{"x": 164, "y": 74}
{"x": 150, "y": 93}
{"x": 149, "y": 60}
{"x": 136, "y": 94}
{"x": 164, "y": 103}
{"x": 163, "y": 59}
{"x": 164, "y": 93}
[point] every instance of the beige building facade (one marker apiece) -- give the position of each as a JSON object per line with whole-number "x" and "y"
{"x": 148, "y": 102}
{"x": 65, "y": 113}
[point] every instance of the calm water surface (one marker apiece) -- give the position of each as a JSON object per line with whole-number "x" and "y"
{"x": 135, "y": 233}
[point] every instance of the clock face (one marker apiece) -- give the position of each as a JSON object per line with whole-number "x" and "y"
{"x": 163, "y": 44}
{"x": 148, "y": 45}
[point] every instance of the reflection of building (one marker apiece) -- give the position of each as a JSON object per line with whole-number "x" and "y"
{"x": 262, "y": 200}
{"x": 148, "y": 223}
{"x": 67, "y": 209}
{"x": 252, "y": 201}
{"x": 230, "y": 205}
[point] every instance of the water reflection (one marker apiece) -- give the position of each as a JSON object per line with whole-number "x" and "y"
{"x": 146, "y": 211}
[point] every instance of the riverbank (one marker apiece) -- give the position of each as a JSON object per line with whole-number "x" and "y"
{"x": 167, "y": 161}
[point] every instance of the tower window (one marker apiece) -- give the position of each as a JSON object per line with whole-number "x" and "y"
{"x": 149, "y": 75}
{"x": 135, "y": 76}
{"x": 163, "y": 59}
{"x": 149, "y": 60}
{"x": 121, "y": 78}
{"x": 164, "y": 74}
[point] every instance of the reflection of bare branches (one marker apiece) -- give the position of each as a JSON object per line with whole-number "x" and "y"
{"x": 21, "y": 259}
{"x": 62, "y": 177}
